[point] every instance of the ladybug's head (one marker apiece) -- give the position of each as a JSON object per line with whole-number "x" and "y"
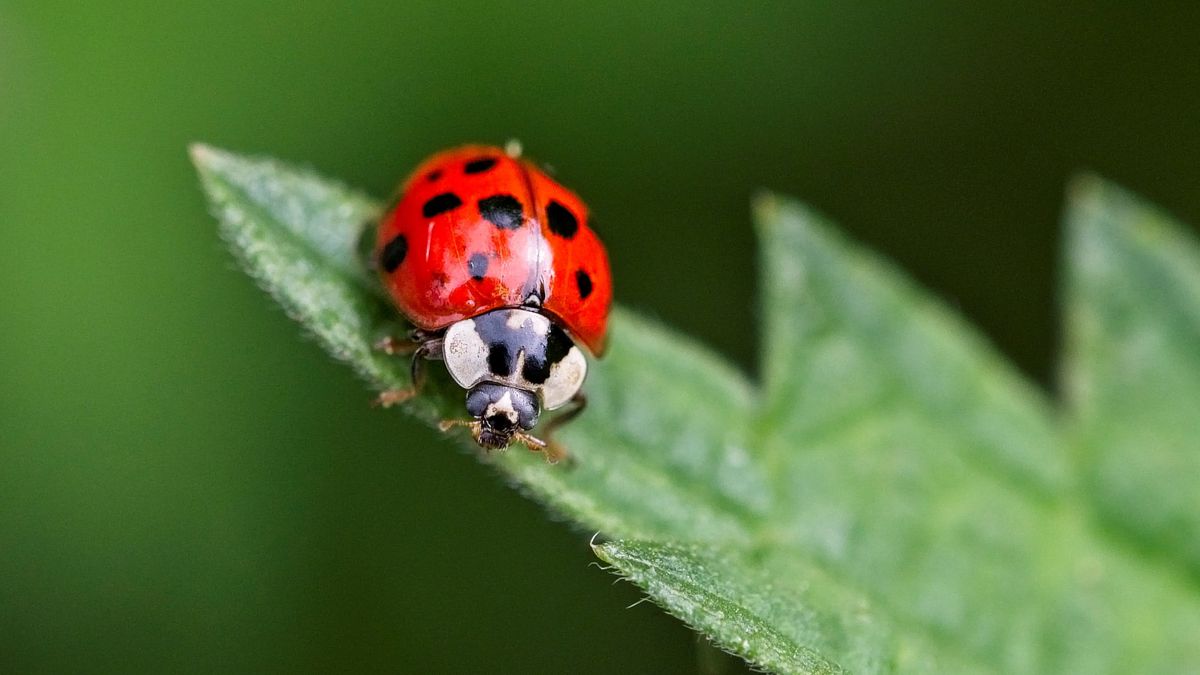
{"x": 501, "y": 413}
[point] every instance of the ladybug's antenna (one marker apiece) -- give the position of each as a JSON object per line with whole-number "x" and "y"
{"x": 447, "y": 425}
{"x": 512, "y": 148}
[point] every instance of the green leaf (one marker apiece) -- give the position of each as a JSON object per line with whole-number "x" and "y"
{"x": 1132, "y": 371}
{"x": 894, "y": 497}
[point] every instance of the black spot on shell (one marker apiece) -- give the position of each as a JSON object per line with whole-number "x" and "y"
{"x": 479, "y": 165}
{"x": 393, "y": 253}
{"x": 433, "y": 176}
{"x": 503, "y": 211}
{"x": 477, "y": 266}
{"x": 585, "y": 284}
{"x": 562, "y": 222}
{"x": 447, "y": 201}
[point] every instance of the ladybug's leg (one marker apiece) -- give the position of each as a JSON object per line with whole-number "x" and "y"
{"x": 554, "y": 450}
{"x": 429, "y": 349}
{"x": 393, "y": 345}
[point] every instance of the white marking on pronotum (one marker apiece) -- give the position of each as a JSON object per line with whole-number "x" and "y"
{"x": 465, "y": 354}
{"x": 516, "y": 320}
{"x": 566, "y": 377}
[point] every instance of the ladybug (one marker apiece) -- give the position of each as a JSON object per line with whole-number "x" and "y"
{"x": 497, "y": 267}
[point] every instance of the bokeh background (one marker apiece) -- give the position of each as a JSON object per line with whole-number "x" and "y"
{"x": 187, "y": 484}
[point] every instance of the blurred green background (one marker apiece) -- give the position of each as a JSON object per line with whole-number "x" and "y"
{"x": 187, "y": 484}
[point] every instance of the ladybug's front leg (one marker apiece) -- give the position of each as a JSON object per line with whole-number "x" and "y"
{"x": 392, "y": 345}
{"x": 552, "y": 448}
{"x": 429, "y": 348}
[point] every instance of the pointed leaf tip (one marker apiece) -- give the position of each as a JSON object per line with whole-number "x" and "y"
{"x": 1132, "y": 370}
{"x": 202, "y": 154}
{"x": 1085, "y": 184}
{"x": 764, "y": 203}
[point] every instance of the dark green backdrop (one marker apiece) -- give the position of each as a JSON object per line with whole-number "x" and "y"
{"x": 186, "y": 483}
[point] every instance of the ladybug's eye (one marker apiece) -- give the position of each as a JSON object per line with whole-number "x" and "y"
{"x": 478, "y": 400}
{"x": 503, "y": 408}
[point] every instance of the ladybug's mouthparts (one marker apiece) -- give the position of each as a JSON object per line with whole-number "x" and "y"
{"x": 494, "y": 440}
{"x": 491, "y": 438}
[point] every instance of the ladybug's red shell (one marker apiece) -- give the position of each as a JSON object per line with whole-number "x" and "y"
{"x": 476, "y": 230}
